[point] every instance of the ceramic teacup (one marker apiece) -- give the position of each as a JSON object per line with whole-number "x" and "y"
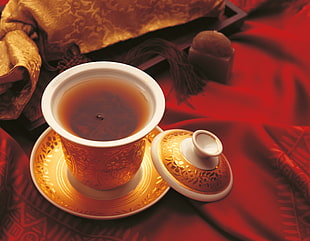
{"x": 100, "y": 160}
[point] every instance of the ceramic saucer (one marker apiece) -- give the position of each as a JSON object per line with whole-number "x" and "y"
{"x": 53, "y": 180}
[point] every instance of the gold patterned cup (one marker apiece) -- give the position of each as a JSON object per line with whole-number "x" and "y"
{"x": 98, "y": 163}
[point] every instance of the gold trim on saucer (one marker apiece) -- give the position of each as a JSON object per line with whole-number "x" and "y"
{"x": 50, "y": 175}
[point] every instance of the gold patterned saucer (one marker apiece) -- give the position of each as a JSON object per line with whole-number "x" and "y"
{"x": 52, "y": 179}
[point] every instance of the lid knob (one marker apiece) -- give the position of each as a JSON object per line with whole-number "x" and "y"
{"x": 202, "y": 149}
{"x": 206, "y": 144}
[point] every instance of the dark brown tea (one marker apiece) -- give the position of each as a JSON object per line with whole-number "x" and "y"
{"x": 103, "y": 110}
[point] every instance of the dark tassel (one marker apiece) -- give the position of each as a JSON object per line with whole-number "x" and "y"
{"x": 187, "y": 81}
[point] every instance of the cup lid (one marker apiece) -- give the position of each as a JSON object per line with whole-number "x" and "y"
{"x": 193, "y": 164}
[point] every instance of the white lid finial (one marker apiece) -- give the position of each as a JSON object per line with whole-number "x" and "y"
{"x": 206, "y": 144}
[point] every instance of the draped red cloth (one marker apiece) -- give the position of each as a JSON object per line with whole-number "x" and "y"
{"x": 3, "y": 2}
{"x": 262, "y": 117}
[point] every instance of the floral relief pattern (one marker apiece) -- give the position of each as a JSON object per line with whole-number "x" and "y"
{"x": 104, "y": 169}
{"x": 52, "y": 180}
{"x": 205, "y": 181}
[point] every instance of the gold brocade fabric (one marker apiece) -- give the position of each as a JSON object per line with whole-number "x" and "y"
{"x": 91, "y": 24}
{"x": 20, "y": 65}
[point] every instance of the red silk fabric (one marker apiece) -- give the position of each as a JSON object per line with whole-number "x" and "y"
{"x": 262, "y": 117}
{"x": 3, "y": 2}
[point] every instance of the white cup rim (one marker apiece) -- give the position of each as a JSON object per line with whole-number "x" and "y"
{"x": 147, "y": 80}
